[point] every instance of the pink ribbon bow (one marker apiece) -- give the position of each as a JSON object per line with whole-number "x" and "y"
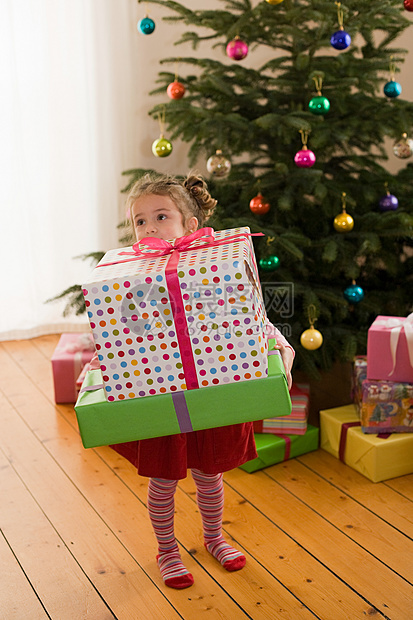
{"x": 152, "y": 246}
{"x": 160, "y": 247}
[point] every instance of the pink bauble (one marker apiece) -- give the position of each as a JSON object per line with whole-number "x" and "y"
{"x": 237, "y": 49}
{"x": 304, "y": 158}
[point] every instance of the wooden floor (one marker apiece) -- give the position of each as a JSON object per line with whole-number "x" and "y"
{"x": 321, "y": 540}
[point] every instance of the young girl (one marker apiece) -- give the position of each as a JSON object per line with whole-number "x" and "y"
{"x": 164, "y": 207}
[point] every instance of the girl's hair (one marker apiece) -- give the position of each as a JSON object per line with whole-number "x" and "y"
{"x": 191, "y": 196}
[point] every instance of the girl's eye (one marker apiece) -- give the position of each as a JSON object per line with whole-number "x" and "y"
{"x": 139, "y": 222}
{"x": 161, "y": 216}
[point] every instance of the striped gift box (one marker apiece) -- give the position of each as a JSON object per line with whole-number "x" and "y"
{"x": 294, "y": 424}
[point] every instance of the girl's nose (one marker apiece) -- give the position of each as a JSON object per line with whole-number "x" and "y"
{"x": 151, "y": 228}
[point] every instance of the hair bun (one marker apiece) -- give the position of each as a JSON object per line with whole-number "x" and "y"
{"x": 198, "y": 189}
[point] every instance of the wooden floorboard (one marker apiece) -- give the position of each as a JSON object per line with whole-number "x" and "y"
{"x": 18, "y": 599}
{"x": 321, "y": 540}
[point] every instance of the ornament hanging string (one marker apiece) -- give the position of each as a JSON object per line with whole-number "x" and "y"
{"x": 392, "y": 69}
{"x": 162, "y": 120}
{"x": 312, "y": 314}
{"x": 318, "y": 81}
{"x": 304, "y": 137}
{"x": 176, "y": 69}
{"x": 340, "y": 15}
{"x": 343, "y": 201}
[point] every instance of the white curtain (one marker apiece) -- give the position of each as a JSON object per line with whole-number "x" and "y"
{"x": 67, "y": 131}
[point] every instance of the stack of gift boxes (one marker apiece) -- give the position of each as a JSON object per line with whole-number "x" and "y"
{"x": 375, "y": 434}
{"x": 181, "y": 341}
{"x": 281, "y": 438}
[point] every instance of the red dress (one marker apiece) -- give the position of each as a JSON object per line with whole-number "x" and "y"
{"x": 212, "y": 451}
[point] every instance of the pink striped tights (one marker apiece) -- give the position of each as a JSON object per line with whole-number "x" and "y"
{"x": 161, "y": 507}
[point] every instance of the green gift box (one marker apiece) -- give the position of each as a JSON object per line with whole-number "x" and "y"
{"x": 274, "y": 449}
{"x": 102, "y": 423}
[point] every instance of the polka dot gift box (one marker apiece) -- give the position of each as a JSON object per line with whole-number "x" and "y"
{"x": 181, "y": 315}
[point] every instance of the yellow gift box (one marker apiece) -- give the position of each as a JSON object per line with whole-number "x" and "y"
{"x": 378, "y": 458}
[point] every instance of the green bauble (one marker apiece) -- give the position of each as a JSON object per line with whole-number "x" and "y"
{"x": 161, "y": 147}
{"x": 269, "y": 263}
{"x": 319, "y": 105}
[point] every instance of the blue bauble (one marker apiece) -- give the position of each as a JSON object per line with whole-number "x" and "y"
{"x": 340, "y": 40}
{"x": 388, "y": 202}
{"x": 354, "y": 293}
{"x": 146, "y": 25}
{"x": 392, "y": 89}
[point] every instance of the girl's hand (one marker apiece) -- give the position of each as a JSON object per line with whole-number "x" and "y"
{"x": 287, "y": 357}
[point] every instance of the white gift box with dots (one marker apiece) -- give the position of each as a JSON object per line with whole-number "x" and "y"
{"x": 134, "y": 327}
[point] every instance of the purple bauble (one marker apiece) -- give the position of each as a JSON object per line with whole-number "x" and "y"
{"x": 340, "y": 40}
{"x": 237, "y": 49}
{"x": 304, "y": 158}
{"x": 388, "y": 202}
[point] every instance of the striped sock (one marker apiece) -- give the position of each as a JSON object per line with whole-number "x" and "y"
{"x": 161, "y": 507}
{"x": 210, "y": 498}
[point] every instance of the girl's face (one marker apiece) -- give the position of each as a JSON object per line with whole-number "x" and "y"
{"x": 158, "y": 216}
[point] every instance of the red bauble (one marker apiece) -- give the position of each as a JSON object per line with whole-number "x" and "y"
{"x": 259, "y": 205}
{"x": 175, "y": 90}
{"x": 408, "y": 5}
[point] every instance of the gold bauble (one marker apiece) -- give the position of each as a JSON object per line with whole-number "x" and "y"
{"x": 343, "y": 222}
{"x": 311, "y": 339}
{"x": 274, "y": 1}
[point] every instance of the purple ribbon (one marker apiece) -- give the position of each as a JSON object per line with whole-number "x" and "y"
{"x": 182, "y": 413}
{"x": 179, "y": 401}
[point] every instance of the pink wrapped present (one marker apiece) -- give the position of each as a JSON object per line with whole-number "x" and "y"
{"x": 71, "y": 354}
{"x": 293, "y": 424}
{"x": 390, "y": 349}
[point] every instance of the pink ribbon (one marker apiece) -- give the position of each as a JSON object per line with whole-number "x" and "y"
{"x": 153, "y": 246}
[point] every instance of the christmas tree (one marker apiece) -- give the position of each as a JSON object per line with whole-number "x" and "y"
{"x": 338, "y": 229}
